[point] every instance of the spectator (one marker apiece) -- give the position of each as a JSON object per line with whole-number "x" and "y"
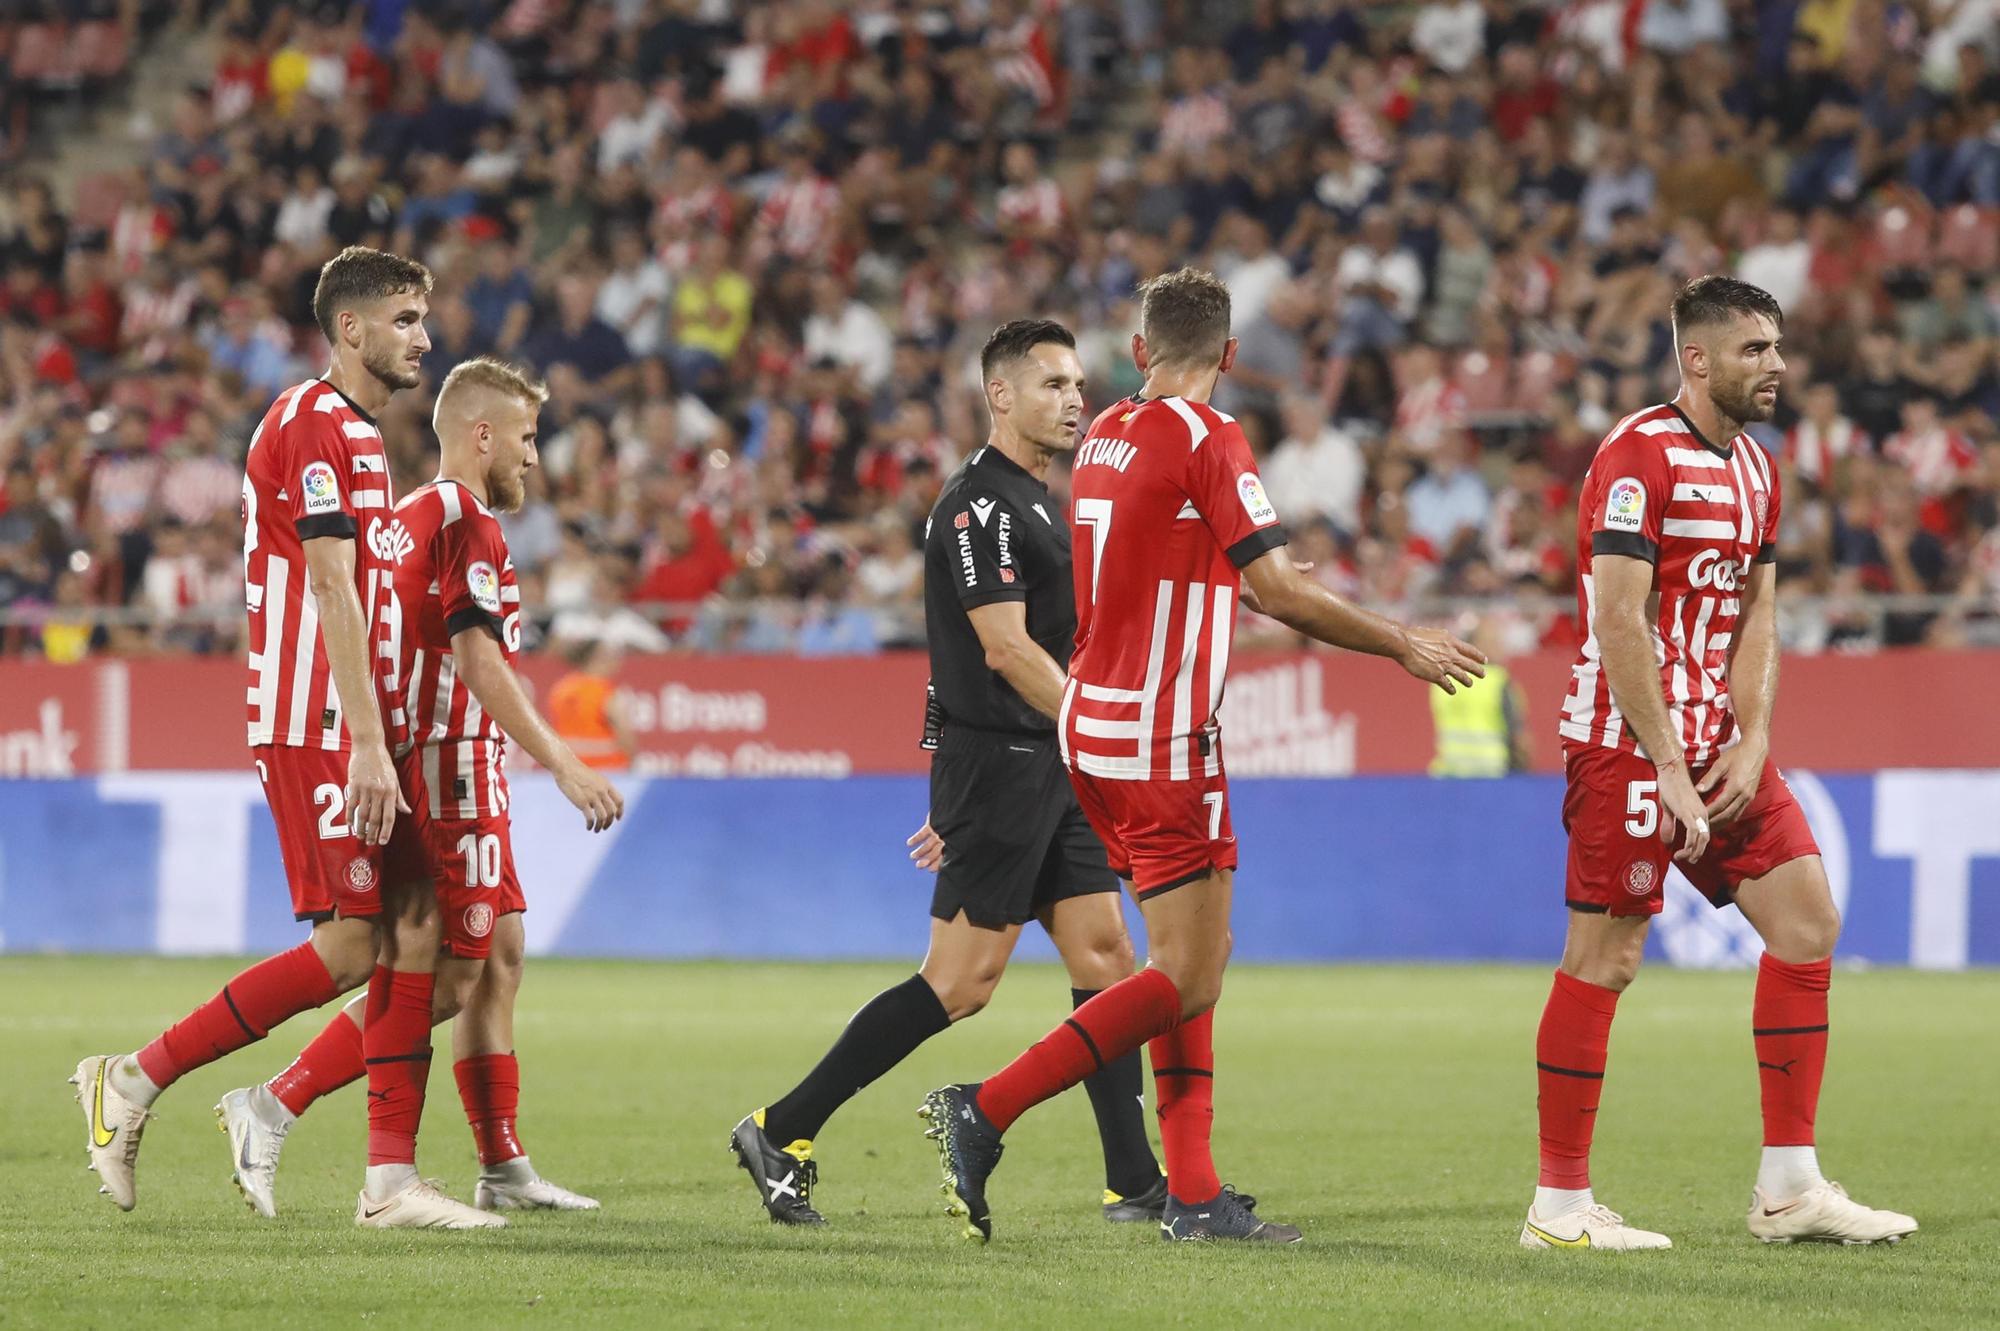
{"x": 1448, "y": 505}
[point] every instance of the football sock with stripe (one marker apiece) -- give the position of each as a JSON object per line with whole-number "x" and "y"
{"x": 1570, "y": 1052}
{"x": 489, "y": 1086}
{"x": 886, "y": 1030}
{"x": 1184, "y": 1081}
{"x": 1108, "y": 1027}
{"x": 396, "y": 1046}
{"x": 244, "y": 1012}
{"x": 1117, "y": 1098}
{"x": 1789, "y": 1025}
{"x": 331, "y": 1061}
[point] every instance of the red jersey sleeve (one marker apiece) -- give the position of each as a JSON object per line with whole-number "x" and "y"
{"x": 470, "y": 554}
{"x": 317, "y": 476}
{"x": 1627, "y": 494}
{"x": 1767, "y": 548}
{"x": 1223, "y": 485}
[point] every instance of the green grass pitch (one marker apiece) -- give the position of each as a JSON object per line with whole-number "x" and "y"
{"x": 1390, "y": 1111}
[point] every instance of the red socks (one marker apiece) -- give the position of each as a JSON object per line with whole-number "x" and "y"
{"x": 1570, "y": 1052}
{"x": 1184, "y": 1081}
{"x": 396, "y": 1045}
{"x": 1109, "y": 1026}
{"x": 1788, "y": 1022}
{"x": 489, "y": 1086}
{"x": 244, "y": 1012}
{"x": 331, "y": 1061}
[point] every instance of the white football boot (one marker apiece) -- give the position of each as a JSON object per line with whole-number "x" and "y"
{"x": 256, "y": 1135}
{"x": 1825, "y": 1214}
{"x": 422, "y": 1205}
{"x": 1595, "y": 1226}
{"x": 112, "y": 1127}
{"x": 515, "y": 1186}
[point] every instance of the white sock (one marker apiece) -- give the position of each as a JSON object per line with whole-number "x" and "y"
{"x": 271, "y": 1109}
{"x": 1555, "y": 1203}
{"x": 516, "y": 1170}
{"x": 1788, "y": 1171}
{"x": 130, "y": 1080}
{"x": 385, "y": 1181}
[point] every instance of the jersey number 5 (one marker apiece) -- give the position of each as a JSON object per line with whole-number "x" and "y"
{"x": 1642, "y": 808}
{"x": 1096, "y": 515}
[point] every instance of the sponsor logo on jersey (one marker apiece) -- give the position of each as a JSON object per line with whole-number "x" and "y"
{"x": 1251, "y": 491}
{"x": 962, "y": 521}
{"x": 360, "y": 874}
{"x": 1709, "y": 569}
{"x": 391, "y": 541}
{"x": 478, "y": 919}
{"x": 484, "y": 584}
{"x": 965, "y": 564}
{"x": 1004, "y": 535}
{"x": 1640, "y": 877}
{"x": 1625, "y": 505}
{"x": 320, "y": 488}
{"x": 983, "y": 508}
{"x": 1045, "y": 514}
{"x": 1006, "y": 575}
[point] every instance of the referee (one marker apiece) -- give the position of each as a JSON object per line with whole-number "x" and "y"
{"x": 1005, "y": 834}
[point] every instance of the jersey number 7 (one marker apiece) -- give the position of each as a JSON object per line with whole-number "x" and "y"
{"x": 1096, "y": 515}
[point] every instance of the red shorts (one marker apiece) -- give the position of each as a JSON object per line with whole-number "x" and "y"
{"x": 472, "y": 866}
{"x": 331, "y": 871}
{"x": 1160, "y": 835}
{"x": 1617, "y": 862}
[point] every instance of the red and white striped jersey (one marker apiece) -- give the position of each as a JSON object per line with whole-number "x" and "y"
{"x": 316, "y": 467}
{"x": 1702, "y": 514}
{"x": 454, "y": 574}
{"x": 1166, "y": 508}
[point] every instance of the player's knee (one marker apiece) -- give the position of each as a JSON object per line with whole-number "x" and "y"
{"x": 1103, "y": 962}
{"x": 1808, "y": 938}
{"x": 1202, "y": 992}
{"x": 453, "y": 990}
{"x": 347, "y": 948}
{"x": 965, "y": 995}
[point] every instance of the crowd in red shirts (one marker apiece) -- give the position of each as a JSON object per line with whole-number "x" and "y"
{"x": 754, "y": 249}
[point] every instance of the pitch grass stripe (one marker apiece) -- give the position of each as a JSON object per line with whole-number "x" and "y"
{"x": 1569, "y": 1072}
{"x": 1789, "y": 1030}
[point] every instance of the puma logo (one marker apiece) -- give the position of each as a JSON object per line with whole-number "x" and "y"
{"x": 1784, "y": 1067}
{"x": 378, "y": 1095}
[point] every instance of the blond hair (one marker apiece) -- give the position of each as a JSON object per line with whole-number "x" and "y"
{"x": 495, "y": 376}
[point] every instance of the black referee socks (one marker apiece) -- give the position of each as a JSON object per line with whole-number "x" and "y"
{"x": 886, "y": 1030}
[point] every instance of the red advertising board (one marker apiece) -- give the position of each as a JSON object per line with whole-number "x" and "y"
{"x": 1286, "y": 714}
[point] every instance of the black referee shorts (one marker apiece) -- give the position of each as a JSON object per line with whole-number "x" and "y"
{"x": 1015, "y": 839}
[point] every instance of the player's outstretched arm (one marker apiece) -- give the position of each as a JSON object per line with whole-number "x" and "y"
{"x": 1002, "y": 627}
{"x": 1279, "y": 589}
{"x": 1625, "y": 639}
{"x": 485, "y": 671}
{"x": 374, "y": 796}
{"x": 1732, "y": 782}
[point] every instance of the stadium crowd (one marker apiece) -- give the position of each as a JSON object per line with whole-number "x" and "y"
{"x": 754, "y": 248}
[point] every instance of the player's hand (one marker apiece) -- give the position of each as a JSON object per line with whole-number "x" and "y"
{"x": 1436, "y": 657}
{"x": 374, "y": 795}
{"x": 1248, "y": 595}
{"x": 592, "y": 792}
{"x": 1682, "y": 812}
{"x": 1733, "y": 780}
{"x": 926, "y": 847}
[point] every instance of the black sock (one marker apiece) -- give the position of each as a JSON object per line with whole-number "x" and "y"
{"x": 1116, "y": 1092}
{"x": 878, "y": 1037}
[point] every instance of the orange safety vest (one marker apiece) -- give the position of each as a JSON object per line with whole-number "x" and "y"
{"x": 580, "y": 711}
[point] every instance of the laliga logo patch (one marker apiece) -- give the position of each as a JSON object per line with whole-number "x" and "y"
{"x": 1251, "y": 491}
{"x": 320, "y": 488}
{"x": 479, "y": 919}
{"x": 360, "y": 874}
{"x": 484, "y": 585}
{"x": 1640, "y": 877}
{"x": 1625, "y": 505}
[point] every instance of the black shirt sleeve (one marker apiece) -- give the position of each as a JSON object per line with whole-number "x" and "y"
{"x": 981, "y": 550}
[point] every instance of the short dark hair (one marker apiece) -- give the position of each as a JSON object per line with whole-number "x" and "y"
{"x": 359, "y": 274}
{"x": 1714, "y": 300}
{"x": 1184, "y": 317}
{"x": 1016, "y": 338}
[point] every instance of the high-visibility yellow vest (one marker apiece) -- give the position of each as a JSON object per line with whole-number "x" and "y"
{"x": 1472, "y": 727}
